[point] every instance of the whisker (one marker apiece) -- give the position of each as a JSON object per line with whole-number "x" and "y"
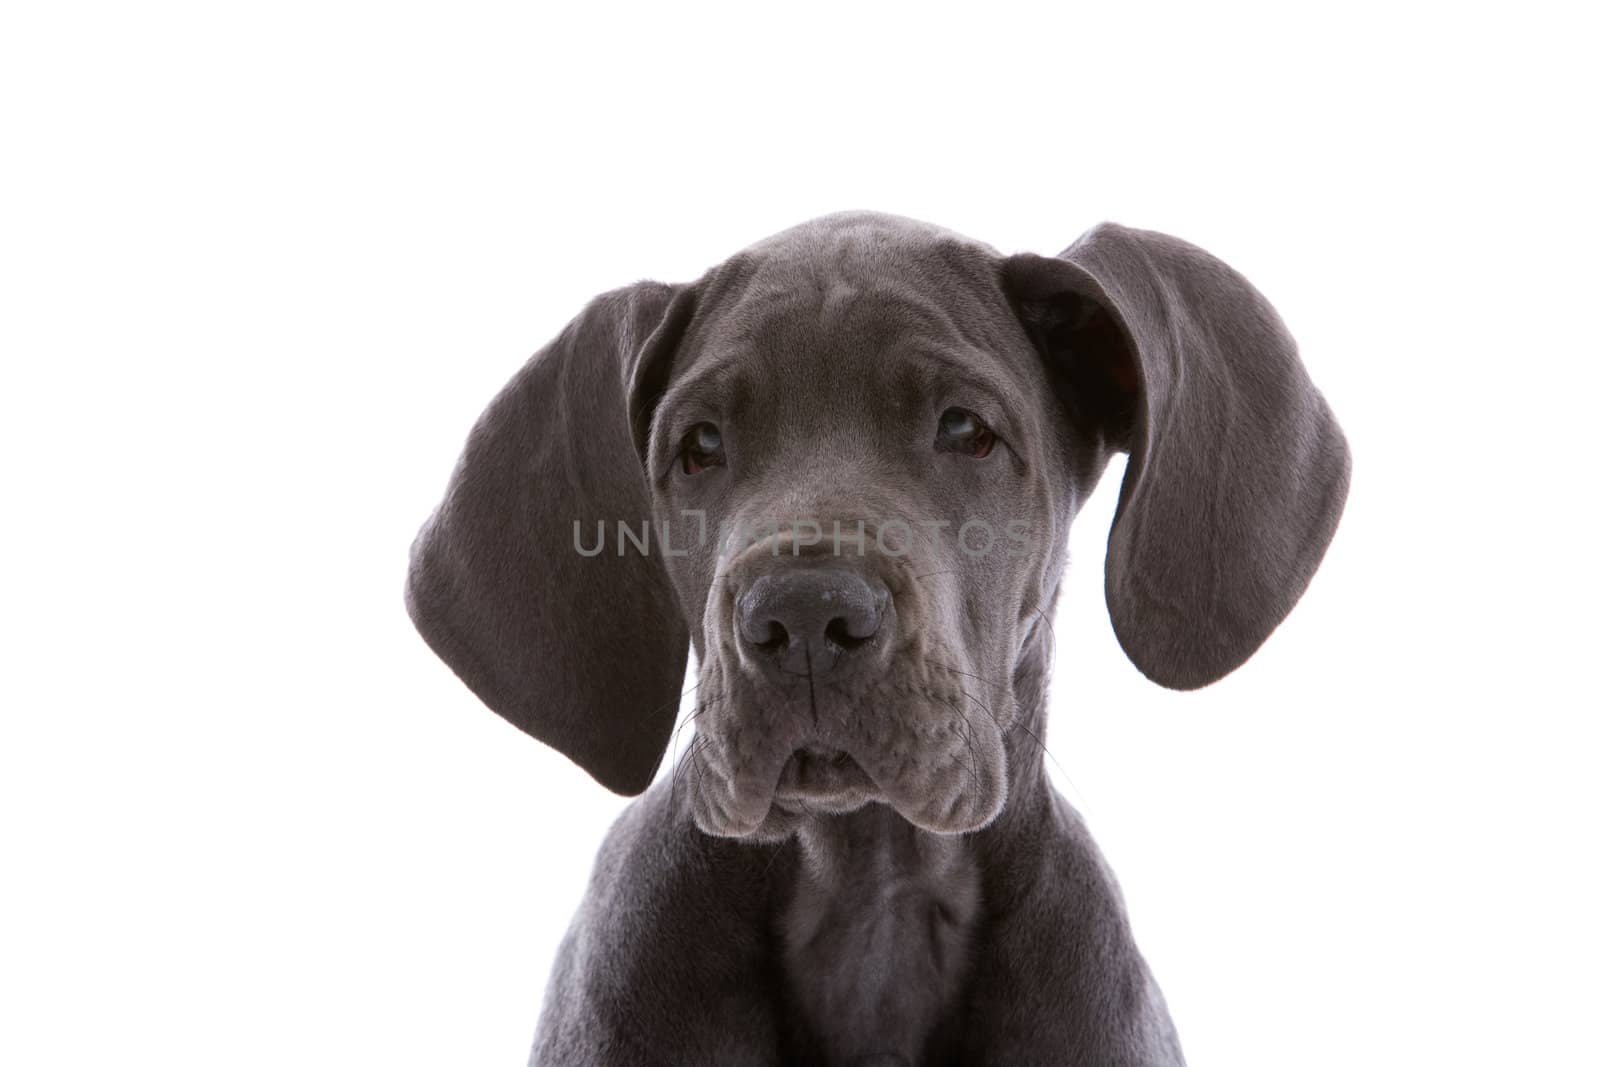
{"x": 1017, "y": 723}
{"x": 967, "y": 674}
{"x": 971, "y": 751}
{"x": 646, "y": 719}
{"x": 697, "y": 753}
{"x": 775, "y": 854}
{"x": 1048, "y": 625}
{"x": 689, "y": 757}
{"x": 713, "y": 702}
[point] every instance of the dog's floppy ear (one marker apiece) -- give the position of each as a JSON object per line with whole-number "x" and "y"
{"x": 584, "y": 652}
{"x": 1237, "y": 471}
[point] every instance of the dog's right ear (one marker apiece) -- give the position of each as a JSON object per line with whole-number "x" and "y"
{"x": 584, "y": 652}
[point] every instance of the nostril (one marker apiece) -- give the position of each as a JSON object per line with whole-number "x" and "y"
{"x": 776, "y": 638}
{"x": 806, "y": 618}
{"x": 838, "y": 633}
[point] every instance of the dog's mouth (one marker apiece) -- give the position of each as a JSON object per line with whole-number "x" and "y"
{"x": 761, "y": 765}
{"x": 829, "y": 779}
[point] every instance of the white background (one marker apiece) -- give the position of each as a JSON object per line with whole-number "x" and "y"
{"x": 261, "y": 267}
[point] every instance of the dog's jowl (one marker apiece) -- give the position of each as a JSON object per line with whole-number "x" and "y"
{"x": 841, "y": 465}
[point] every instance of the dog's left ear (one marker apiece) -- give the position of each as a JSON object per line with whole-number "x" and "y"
{"x": 1237, "y": 472}
{"x": 584, "y": 651}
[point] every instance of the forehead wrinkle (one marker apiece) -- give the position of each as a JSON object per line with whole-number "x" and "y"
{"x": 847, "y": 334}
{"x": 819, "y": 313}
{"x": 832, "y": 316}
{"x": 942, "y": 368}
{"x": 716, "y": 385}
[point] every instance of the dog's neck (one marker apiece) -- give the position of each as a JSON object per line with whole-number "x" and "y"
{"x": 881, "y": 914}
{"x": 876, "y": 934}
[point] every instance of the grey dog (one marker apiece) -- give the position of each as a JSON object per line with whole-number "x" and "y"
{"x": 859, "y": 858}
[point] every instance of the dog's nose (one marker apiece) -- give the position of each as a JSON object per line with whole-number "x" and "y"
{"x": 810, "y": 620}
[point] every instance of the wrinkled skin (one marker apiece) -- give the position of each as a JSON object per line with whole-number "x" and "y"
{"x": 826, "y": 370}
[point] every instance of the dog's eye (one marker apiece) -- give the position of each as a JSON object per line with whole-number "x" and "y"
{"x": 962, "y": 431}
{"x": 702, "y": 448}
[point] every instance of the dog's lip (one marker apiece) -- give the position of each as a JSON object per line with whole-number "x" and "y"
{"x": 813, "y": 773}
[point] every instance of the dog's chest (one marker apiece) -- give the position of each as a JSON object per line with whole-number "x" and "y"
{"x": 876, "y": 935}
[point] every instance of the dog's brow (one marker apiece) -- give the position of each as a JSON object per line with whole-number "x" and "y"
{"x": 704, "y": 393}
{"x": 946, "y": 367}
{"x": 950, "y": 366}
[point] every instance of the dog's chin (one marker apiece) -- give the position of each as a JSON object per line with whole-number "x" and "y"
{"x": 815, "y": 784}
{"x": 962, "y": 799}
{"x": 823, "y": 782}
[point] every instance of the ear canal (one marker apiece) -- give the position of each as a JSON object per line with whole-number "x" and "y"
{"x": 584, "y": 652}
{"x": 1091, "y": 367}
{"x": 1237, "y": 471}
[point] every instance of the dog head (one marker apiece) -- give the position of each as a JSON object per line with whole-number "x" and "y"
{"x": 842, "y": 465}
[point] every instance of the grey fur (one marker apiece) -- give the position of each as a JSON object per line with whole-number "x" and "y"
{"x": 940, "y": 903}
